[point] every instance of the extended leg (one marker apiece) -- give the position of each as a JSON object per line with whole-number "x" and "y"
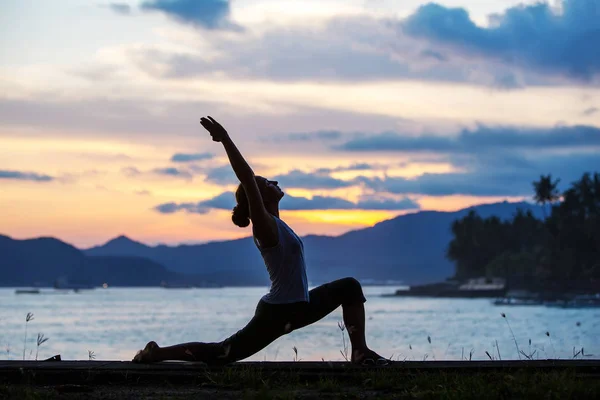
{"x": 193, "y": 351}
{"x": 255, "y": 336}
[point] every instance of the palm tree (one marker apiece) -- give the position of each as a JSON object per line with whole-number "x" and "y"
{"x": 546, "y": 191}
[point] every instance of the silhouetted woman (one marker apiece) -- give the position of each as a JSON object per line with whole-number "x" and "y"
{"x": 289, "y": 305}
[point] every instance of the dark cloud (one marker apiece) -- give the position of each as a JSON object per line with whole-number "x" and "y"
{"x": 120, "y": 8}
{"x": 482, "y": 138}
{"x": 481, "y": 183}
{"x": 167, "y": 208}
{"x": 175, "y": 172}
{"x": 208, "y": 14}
{"x": 170, "y": 208}
{"x": 300, "y": 179}
{"x": 226, "y": 201}
{"x": 25, "y": 176}
{"x": 591, "y": 111}
{"x": 500, "y": 176}
{"x": 374, "y": 203}
{"x": 493, "y": 161}
{"x": 529, "y": 36}
{"x": 316, "y": 203}
{"x": 189, "y": 157}
{"x": 391, "y": 141}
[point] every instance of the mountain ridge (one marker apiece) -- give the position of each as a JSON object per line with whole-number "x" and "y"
{"x": 392, "y": 249}
{"x": 409, "y": 248}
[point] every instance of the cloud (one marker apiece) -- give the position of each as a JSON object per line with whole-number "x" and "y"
{"x": 318, "y": 179}
{"x": 133, "y": 172}
{"x": 170, "y": 208}
{"x": 374, "y": 203}
{"x": 504, "y": 176}
{"x": 188, "y": 157}
{"x": 207, "y": 14}
{"x": 130, "y": 171}
{"x": 112, "y": 117}
{"x": 529, "y": 36}
{"x": 226, "y": 201}
{"x": 316, "y": 203}
{"x": 25, "y": 176}
{"x": 481, "y": 183}
{"x": 347, "y": 49}
{"x": 310, "y": 136}
{"x": 508, "y": 81}
{"x": 483, "y": 138}
{"x": 351, "y": 167}
{"x": 591, "y": 111}
{"x": 120, "y": 8}
{"x": 177, "y": 121}
{"x": 222, "y": 175}
{"x": 391, "y": 141}
{"x": 300, "y": 179}
{"x": 489, "y": 161}
{"x": 175, "y": 172}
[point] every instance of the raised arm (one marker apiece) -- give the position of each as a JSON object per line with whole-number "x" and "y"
{"x": 263, "y": 223}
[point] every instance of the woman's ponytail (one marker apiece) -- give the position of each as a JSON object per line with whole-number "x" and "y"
{"x": 241, "y": 212}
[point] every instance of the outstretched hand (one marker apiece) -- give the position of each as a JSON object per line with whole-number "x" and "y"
{"x": 216, "y": 130}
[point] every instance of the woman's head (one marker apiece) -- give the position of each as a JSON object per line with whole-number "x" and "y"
{"x": 271, "y": 194}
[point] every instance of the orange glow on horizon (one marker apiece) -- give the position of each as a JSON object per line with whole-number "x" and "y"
{"x": 351, "y": 218}
{"x": 458, "y": 202}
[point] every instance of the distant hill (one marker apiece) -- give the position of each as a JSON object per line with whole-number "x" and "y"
{"x": 42, "y": 261}
{"x": 231, "y": 263}
{"x": 410, "y": 248}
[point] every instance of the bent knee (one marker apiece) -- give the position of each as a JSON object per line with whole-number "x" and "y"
{"x": 353, "y": 292}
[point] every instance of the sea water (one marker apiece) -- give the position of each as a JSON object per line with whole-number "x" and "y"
{"x": 113, "y": 323}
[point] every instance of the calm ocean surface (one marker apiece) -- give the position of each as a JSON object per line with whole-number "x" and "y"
{"x": 115, "y": 322}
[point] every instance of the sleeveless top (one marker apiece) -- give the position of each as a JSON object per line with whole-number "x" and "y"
{"x": 286, "y": 267}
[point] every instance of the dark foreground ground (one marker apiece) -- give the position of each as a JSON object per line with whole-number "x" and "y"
{"x": 556, "y": 379}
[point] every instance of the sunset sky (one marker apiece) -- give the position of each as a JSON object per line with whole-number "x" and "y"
{"x": 361, "y": 109}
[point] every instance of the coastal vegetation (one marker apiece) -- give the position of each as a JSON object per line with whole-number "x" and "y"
{"x": 558, "y": 253}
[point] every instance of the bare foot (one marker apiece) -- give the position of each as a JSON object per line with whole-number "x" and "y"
{"x": 148, "y": 355}
{"x": 367, "y": 357}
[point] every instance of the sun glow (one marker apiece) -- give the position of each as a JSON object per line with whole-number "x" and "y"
{"x": 356, "y": 218}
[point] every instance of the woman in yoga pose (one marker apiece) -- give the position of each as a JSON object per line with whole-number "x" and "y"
{"x": 289, "y": 305}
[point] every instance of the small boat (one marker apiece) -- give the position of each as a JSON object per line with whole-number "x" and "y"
{"x": 515, "y": 301}
{"x": 27, "y": 291}
{"x": 519, "y": 298}
{"x": 63, "y": 284}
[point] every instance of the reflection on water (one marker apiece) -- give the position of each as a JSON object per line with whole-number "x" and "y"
{"x": 115, "y": 322}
